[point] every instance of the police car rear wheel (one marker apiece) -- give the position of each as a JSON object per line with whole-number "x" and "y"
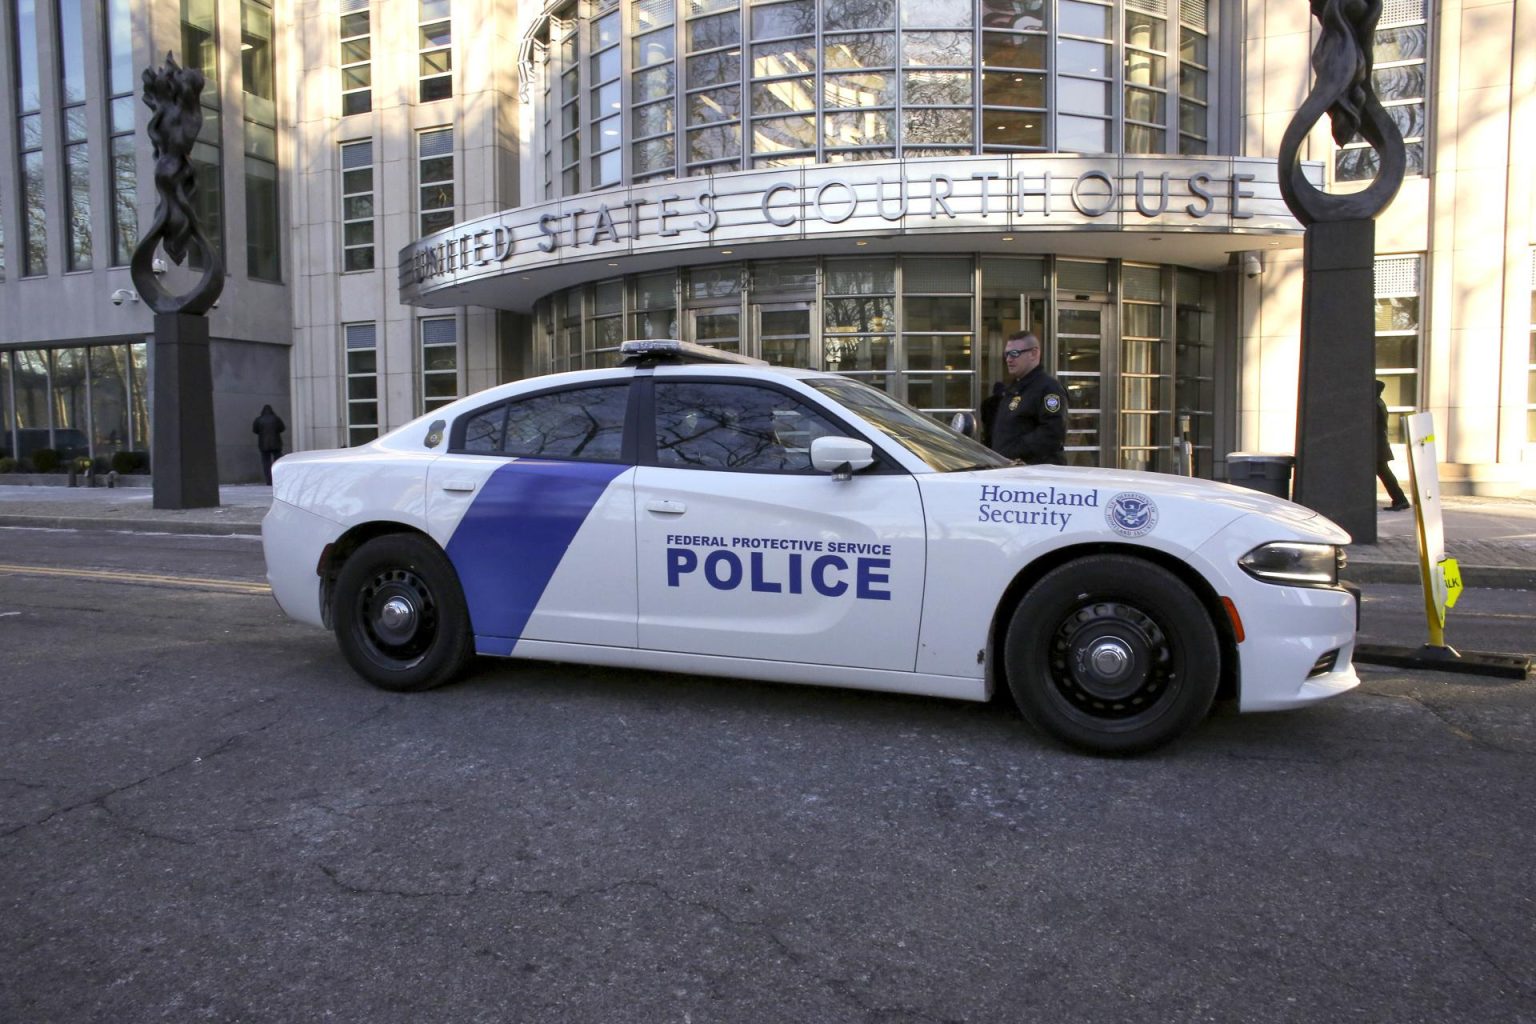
{"x": 400, "y": 616}
{"x": 1112, "y": 654}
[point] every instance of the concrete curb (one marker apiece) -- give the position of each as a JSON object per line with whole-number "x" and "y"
{"x": 133, "y": 525}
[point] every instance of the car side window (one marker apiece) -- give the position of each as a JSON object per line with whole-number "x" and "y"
{"x": 709, "y": 425}
{"x": 582, "y": 424}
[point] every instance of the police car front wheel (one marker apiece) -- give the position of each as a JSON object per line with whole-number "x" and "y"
{"x": 400, "y": 616}
{"x": 1112, "y": 654}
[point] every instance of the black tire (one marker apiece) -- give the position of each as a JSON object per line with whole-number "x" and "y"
{"x": 400, "y": 616}
{"x": 1113, "y": 655}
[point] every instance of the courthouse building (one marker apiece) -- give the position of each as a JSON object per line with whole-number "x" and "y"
{"x": 416, "y": 199}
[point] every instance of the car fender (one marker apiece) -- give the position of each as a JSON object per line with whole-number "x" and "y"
{"x": 990, "y": 533}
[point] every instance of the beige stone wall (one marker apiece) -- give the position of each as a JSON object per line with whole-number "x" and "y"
{"x": 1473, "y": 216}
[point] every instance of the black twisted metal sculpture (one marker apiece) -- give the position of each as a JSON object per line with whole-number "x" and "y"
{"x": 173, "y": 93}
{"x": 1342, "y": 62}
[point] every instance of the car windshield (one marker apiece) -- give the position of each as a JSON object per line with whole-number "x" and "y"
{"x": 940, "y": 447}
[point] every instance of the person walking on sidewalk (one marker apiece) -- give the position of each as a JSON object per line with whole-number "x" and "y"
{"x": 268, "y": 428}
{"x": 1384, "y": 454}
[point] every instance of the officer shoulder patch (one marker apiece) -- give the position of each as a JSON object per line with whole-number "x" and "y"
{"x": 1052, "y": 404}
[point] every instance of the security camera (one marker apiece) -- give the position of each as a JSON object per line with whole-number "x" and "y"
{"x": 123, "y": 295}
{"x": 1252, "y": 265}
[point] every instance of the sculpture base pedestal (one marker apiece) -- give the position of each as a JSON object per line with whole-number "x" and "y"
{"x": 1336, "y": 407}
{"x": 183, "y": 457}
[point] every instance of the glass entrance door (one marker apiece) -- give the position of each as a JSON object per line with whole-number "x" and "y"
{"x": 1079, "y": 347}
{"x": 718, "y": 328}
{"x": 783, "y": 333}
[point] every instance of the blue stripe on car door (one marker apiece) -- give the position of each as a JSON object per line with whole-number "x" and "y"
{"x": 515, "y": 533}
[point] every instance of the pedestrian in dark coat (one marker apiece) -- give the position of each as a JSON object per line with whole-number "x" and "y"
{"x": 268, "y": 428}
{"x": 1384, "y": 455}
{"x": 1031, "y": 421}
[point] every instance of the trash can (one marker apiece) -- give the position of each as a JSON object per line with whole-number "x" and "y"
{"x": 1269, "y": 472}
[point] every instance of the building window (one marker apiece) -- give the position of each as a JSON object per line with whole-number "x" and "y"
{"x": 434, "y": 165}
{"x": 783, "y": 82}
{"x": 607, "y": 324}
{"x": 1146, "y": 76}
{"x": 1194, "y": 343}
{"x": 1530, "y": 387}
{"x": 567, "y": 52}
{"x": 362, "y": 382}
{"x": 937, "y": 58}
{"x": 123, "y": 177}
{"x": 1013, "y": 43}
{"x": 859, "y": 319}
{"x": 200, "y": 49}
{"x": 713, "y": 103}
{"x": 439, "y": 361}
{"x": 436, "y": 67}
{"x": 653, "y": 100}
{"x": 789, "y": 83}
{"x": 606, "y": 165}
{"x": 1146, "y": 384}
{"x": 1194, "y": 79}
{"x": 357, "y": 205}
{"x": 937, "y": 335}
{"x": 262, "y": 217}
{"x": 1398, "y": 332}
{"x": 655, "y": 309}
{"x": 1400, "y": 75}
{"x": 356, "y": 58}
{"x": 29, "y": 142}
{"x": 76, "y": 151}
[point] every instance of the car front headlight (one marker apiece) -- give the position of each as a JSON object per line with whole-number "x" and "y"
{"x": 1295, "y": 563}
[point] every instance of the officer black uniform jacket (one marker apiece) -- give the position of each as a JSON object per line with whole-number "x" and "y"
{"x": 1031, "y": 423}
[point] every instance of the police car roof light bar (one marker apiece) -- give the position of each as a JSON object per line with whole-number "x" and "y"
{"x": 658, "y": 350}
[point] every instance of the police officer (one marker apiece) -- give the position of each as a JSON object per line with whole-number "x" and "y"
{"x": 1031, "y": 423}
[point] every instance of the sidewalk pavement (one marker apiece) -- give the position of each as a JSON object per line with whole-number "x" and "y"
{"x": 1493, "y": 539}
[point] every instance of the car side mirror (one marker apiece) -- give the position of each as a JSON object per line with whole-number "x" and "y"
{"x": 964, "y": 422}
{"x": 841, "y": 456}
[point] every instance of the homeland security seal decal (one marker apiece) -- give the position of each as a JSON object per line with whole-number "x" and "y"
{"x": 1130, "y": 514}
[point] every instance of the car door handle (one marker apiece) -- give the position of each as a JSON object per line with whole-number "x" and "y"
{"x": 670, "y": 508}
{"x": 458, "y": 485}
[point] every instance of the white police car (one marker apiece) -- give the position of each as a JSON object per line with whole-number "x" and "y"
{"x": 694, "y": 511}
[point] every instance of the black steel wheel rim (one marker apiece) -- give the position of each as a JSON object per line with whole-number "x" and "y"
{"x": 1111, "y": 663}
{"x": 397, "y": 616}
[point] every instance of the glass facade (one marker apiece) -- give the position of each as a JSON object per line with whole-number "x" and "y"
{"x": 78, "y": 402}
{"x": 1400, "y": 75}
{"x": 1399, "y": 334}
{"x": 647, "y": 89}
{"x": 930, "y": 330}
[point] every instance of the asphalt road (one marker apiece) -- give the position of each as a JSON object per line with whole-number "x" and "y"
{"x": 205, "y": 816}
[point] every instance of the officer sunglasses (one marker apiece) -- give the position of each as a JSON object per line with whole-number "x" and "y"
{"x": 1014, "y": 353}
